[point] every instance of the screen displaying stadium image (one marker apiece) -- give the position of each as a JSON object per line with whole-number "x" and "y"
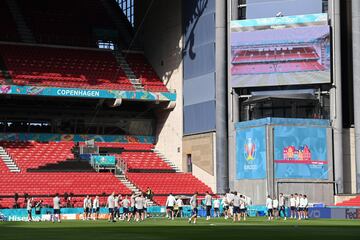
{"x": 272, "y": 52}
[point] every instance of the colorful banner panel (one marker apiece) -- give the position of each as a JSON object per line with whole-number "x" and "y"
{"x": 87, "y": 93}
{"x": 103, "y": 160}
{"x": 280, "y": 51}
{"x": 251, "y": 153}
{"x": 300, "y": 152}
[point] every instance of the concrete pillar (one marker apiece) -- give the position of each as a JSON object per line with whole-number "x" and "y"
{"x": 355, "y": 5}
{"x": 335, "y": 95}
{"x": 222, "y": 173}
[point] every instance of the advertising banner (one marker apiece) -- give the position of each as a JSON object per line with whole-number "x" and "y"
{"x": 251, "y": 153}
{"x": 278, "y": 51}
{"x": 300, "y": 152}
{"x": 87, "y": 93}
{"x": 103, "y": 160}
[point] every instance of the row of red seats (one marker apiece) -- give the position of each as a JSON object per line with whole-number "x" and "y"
{"x": 276, "y": 68}
{"x": 165, "y": 183}
{"x": 32, "y": 154}
{"x": 143, "y": 160}
{"x": 51, "y": 183}
{"x": 353, "y": 202}
{"x": 127, "y": 146}
{"x": 62, "y": 67}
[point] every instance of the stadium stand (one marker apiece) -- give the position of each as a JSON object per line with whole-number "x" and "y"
{"x": 165, "y": 183}
{"x": 260, "y": 68}
{"x": 145, "y": 72}
{"x": 353, "y": 202}
{"x": 77, "y": 21}
{"x": 36, "y": 184}
{"x": 296, "y": 54}
{"x": 32, "y": 154}
{"x": 63, "y": 67}
{"x": 7, "y": 24}
{"x": 144, "y": 161}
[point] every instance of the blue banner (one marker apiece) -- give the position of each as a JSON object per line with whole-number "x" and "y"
{"x": 87, "y": 93}
{"x": 103, "y": 160}
{"x": 251, "y": 153}
{"x": 300, "y": 152}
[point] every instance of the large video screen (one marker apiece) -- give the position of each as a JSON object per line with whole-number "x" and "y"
{"x": 280, "y": 51}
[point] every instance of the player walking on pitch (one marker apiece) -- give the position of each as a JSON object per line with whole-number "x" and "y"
{"x": 194, "y": 207}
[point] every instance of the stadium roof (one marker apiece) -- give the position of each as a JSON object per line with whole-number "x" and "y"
{"x": 280, "y": 36}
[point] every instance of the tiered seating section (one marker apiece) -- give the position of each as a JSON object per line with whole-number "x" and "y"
{"x": 51, "y": 183}
{"x": 144, "y": 161}
{"x": 165, "y": 183}
{"x": 29, "y": 155}
{"x": 353, "y": 202}
{"x": 145, "y": 72}
{"x": 251, "y": 56}
{"x": 276, "y": 61}
{"x": 67, "y": 23}
{"x": 32, "y": 154}
{"x": 63, "y": 67}
{"x": 138, "y": 157}
{"x": 7, "y": 24}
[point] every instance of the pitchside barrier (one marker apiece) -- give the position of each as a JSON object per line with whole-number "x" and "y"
{"x": 157, "y": 211}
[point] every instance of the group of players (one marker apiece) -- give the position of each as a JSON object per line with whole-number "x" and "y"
{"x": 298, "y": 204}
{"x": 234, "y": 207}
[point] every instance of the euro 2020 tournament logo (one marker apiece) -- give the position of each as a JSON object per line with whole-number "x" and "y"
{"x": 250, "y": 150}
{"x": 250, "y": 155}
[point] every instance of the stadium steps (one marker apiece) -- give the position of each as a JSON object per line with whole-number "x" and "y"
{"x": 9, "y": 162}
{"x": 24, "y": 31}
{"x": 162, "y": 156}
{"x": 127, "y": 183}
{"x": 132, "y": 187}
{"x": 128, "y": 72}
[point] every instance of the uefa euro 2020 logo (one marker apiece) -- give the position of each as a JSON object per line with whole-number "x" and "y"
{"x": 250, "y": 150}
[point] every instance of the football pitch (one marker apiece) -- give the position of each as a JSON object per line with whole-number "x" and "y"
{"x": 220, "y": 229}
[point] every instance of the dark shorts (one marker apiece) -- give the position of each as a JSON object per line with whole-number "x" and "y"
{"x": 111, "y": 210}
{"x": 96, "y": 210}
{"x": 170, "y": 208}
{"x": 29, "y": 212}
{"x": 145, "y": 209}
{"x": 125, "y": 210}
{"x": 180, "y": 208}
{"x": 301, "y": 209}
{"x": 216, "y": 209}
{"x": 236, "y": 210}
{"x": 134, "y": 210}
{"x": 140, "y": 210}
{"x": 208, "y": 210}
{"x": 242, "y": 210}
{"x": 226, "y": 207}
{"x": 116, "y": 209}
{"x": 270, "y": 211}
{"x": 194, "y": 211}
{"x": 292, "y": 208}
{"x": 86, "y": 210}
{"x": 56, "y": 211}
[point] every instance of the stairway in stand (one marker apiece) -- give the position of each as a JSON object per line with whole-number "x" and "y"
{"x": 9, "y": 162}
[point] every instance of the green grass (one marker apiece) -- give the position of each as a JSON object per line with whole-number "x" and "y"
{"x": 254, "y": 228}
